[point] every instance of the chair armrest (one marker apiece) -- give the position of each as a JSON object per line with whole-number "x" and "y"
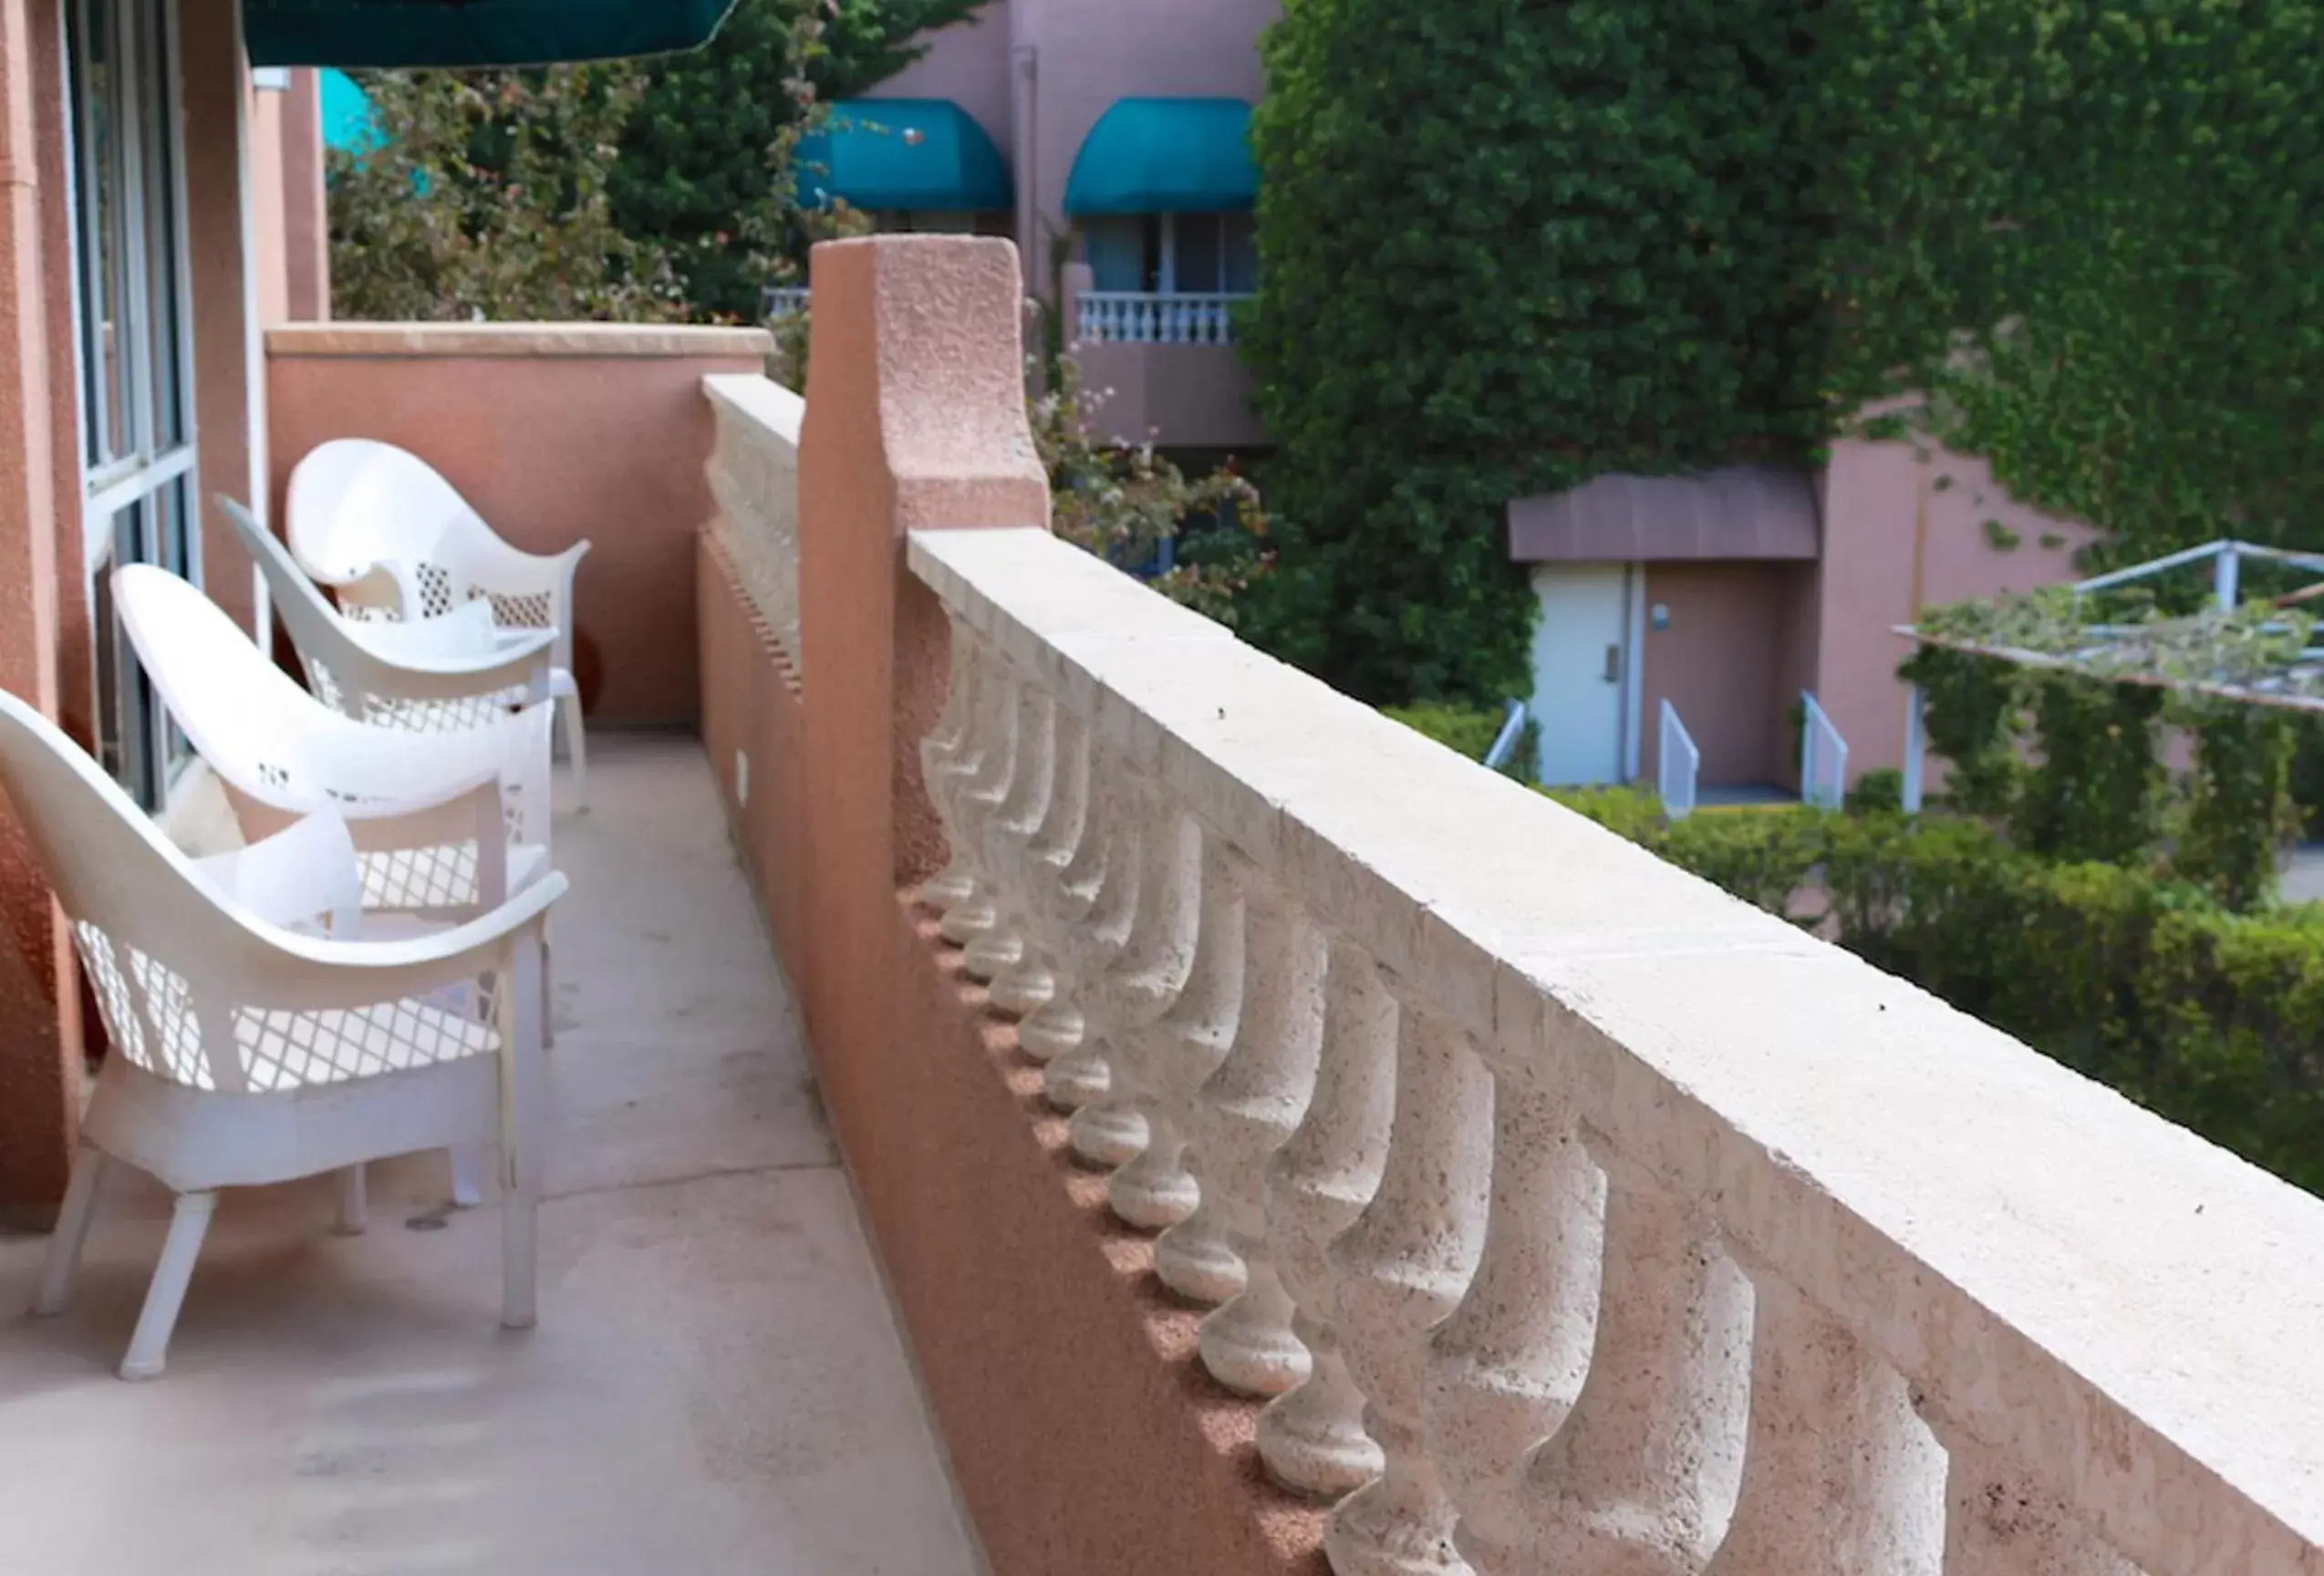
{"x": 302, "y": 973}
{"x": 307, "y": 872}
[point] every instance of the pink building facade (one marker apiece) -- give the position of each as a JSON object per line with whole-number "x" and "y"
{"x": 1146, "y": 295}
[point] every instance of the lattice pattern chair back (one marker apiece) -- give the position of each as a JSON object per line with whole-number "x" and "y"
{"x": 363, "y": 513}
{"x": 449, "y": 672}
{"x": 250, "y": 1048}
{"x": 281, "y": 755}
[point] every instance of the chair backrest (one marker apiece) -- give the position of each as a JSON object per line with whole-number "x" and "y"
{"x": 354, "y": 502}
{"x": 270, "y": 741}
{"x": 169, "y": 958}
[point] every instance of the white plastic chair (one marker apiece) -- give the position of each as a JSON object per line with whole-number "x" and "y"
{"x": 445, "y": 824}
{"x": 247, "y": 1052}
{"x": 393, "y": 538}
{"x": 281, "y": 755}
{"x": 454, "y": 671}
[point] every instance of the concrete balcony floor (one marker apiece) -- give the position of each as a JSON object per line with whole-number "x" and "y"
{"x": 716, "y": 1384}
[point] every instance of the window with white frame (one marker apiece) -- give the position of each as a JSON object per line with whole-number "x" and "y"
{"x": 1172, "y": 253}
{"x": 133, "y": 339}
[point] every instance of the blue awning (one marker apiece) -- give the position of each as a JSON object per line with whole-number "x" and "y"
{"x": 903, "y": 155}
{"x": 471, "y": 32}
{"x": 348, "y": 123}
{"x": 1166, "y": 156}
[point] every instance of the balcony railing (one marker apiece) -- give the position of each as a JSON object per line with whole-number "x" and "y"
{"x": 1155, "y": 317}
{"x": 784, "y": 300}
{"x": 1551, "y": 1205}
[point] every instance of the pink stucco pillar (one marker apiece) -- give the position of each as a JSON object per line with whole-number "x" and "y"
{"x": 40, "y": 1039}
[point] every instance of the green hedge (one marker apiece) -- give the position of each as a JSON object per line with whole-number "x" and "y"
{"x": 2213, "y": 1018}
{"x": 1471, "y": 730}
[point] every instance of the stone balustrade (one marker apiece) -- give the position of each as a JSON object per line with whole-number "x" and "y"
{"x": 753, "y": 474}
{"x": 1564, "y": 1214}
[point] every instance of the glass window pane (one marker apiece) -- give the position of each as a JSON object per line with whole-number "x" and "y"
{"x": 124, "y": 700}
{"x": 102, "y": 229}
{"x": 1116, "y": 249}
{"x": 1197, "y": 253}
{"x": 158, "y": 105}
{"x": 1238, "y": 265}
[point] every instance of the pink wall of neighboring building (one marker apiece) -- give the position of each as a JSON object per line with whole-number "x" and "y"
{"x": 968, "y": 64}
{"x": 1902, "y": 534}
{"x": 1191, "y": 396}
{"x": 1037, "y": 74}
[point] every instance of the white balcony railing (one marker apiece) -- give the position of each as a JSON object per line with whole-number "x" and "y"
{"x": 784, "y": 301}
{"x": 1155, "y": 317}
{"x": 1576, "y": 1215}
{"x": 1678, "y": 764}
{"x": 1824, "y": 757}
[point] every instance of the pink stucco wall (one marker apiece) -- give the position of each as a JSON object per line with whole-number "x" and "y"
{"x": 1902, "y": 534}
{"x": 554, "y": 432}
{"x": 968, "y": 64}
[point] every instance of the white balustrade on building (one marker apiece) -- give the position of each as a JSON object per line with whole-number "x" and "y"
{"x": 1155, "y": 317}
{"x": 784, "y": 301}
{"x": 1575, "y": 1216}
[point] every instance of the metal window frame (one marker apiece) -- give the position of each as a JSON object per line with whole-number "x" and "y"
{"x": 145, "y": 112}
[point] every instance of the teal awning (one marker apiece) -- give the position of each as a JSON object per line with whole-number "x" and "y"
{"x": 903, "y": 155}
{"x": 1166, "y": 156}
{"x": 347, "y": 125}
{"x": 471, "y": 32}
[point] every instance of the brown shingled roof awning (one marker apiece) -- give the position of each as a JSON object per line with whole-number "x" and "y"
{"x": 1741, "y": 511}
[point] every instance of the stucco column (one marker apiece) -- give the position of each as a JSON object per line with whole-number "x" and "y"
{"x": 39, "y": 1044}
{"x": 229, "y": 393}
{"x": 306, "y": 226}
{"x": 915, "y": 420}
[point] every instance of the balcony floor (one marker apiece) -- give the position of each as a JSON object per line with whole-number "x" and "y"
{"x": 716, "y": 1384}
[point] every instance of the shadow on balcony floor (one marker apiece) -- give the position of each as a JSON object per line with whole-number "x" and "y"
{"x": 716, "y": 1384}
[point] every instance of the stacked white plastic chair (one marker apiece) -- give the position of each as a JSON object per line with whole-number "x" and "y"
{"x": 394, "y": 539}
{"x": 454, "y": 671}
{"x": 249, "y": 1046}
{"x": 444, "y": 823}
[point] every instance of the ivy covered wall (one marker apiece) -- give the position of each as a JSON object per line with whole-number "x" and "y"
{"x": 1507, "y": 246}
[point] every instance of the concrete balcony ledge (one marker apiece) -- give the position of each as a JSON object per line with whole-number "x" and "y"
{"x": 644, "y": 341}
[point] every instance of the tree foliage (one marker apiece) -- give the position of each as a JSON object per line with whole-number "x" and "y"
{"x": 1505, "y": 247}
{"x": 705, "y": 167}
{"x": 486, "y": 198}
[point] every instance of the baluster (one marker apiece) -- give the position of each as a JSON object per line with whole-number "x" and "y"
{"x": 1164, "y": 1064}
{"x": 1317, "y": 1185}
{"x": 1145, "y": 976}
{"x": 1504, "y": 1371}
{"x": 1077, "y": 1075}
{"x": 1642, "y": 1477}
{"x": 1999, "y": 1523}
{"x": 1004, "y": 954}
{"x": 975, "y": 801}
{"x": 1069, "y": 872}
{"x": 1248, "y": 1110}
{"x": 1840, "y": 1477}
{"x": 949, "y": 754}
{"x": 1148, "y": 320}
{"x": 1402, "y": 1267}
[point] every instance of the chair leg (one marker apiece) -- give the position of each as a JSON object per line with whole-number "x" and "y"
{"x": 354, "y": 1204}
{"x": 150, "y": 1344}
{"x": 577, "y": 748}
{"x": 548, "y": 996}
{"x": 521, "y": 1097}
{"x": 62, "y": 1267}
{"x": 467, "y": 1175}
